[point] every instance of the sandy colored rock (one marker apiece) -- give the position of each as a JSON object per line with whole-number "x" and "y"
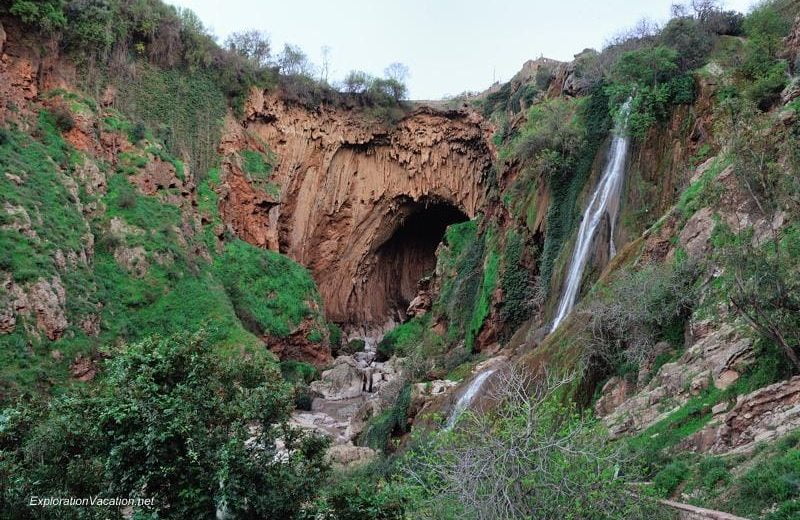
{"x": 133, "y": 260}
{"x": 761, "y": 416}
{"x": 343, "y": 456}
{"x": 343, "y": 381}
{"x": 346, "y": 183}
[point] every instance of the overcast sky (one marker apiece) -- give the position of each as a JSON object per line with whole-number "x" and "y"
{"x": 450, "y": 46}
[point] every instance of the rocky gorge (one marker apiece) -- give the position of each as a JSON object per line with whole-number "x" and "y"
{"x": 504, "y": 294}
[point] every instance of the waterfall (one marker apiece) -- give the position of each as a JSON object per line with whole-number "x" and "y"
{"x": 605, "y": 200}
{"x": 466, "y": 398}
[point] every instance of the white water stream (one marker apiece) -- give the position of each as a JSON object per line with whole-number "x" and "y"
{"x": 466, "y": 398}
{"x": 605, "y": 200}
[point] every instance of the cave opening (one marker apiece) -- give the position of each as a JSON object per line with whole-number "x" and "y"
{"x": 409, "y": 254}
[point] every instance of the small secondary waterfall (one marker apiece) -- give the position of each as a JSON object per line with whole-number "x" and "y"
{"x": 605, "y": 200}
{"x": 466, "y": 398}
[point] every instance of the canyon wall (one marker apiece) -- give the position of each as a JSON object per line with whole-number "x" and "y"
{"x": 347, "y": 184}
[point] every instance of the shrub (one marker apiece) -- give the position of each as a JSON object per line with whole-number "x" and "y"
{"x": 690, "y": 38}
{"x": 63, "y": 119}
{"x": 391, "y": 422}
{"x": 199, "y": 413}
{"x": 403, "y": 338}
{"x": 298, "y": 371}
{"x": 529, "y": 456}
{"x": 636, "y": 311}
{"x": 648, "y": 66}
{"x": 356, "y": 345}
{"x": 668, "y": 479}
{"x": 360, "y": 493}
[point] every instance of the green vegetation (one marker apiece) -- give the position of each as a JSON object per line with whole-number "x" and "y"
{"x": 516, "y": 283}
{"x": 164, "y": 412}
{"x": 39, "y": 215}
{"x": 184, "y": 108}
{"x": 638, "y": 310}
{"x": 391, "y": 422}
{"x": 570, "y": 170}
{"x": 272, "y": 295}
{"x": 403, "y": 338}
{"x": 530, "y": 453}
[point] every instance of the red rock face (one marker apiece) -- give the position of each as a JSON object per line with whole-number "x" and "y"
{"x": 347, "y": 185}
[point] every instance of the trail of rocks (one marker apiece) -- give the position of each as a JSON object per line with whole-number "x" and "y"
{"x": 353, "y": 390}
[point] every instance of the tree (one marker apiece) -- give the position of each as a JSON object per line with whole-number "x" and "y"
{"x": 326, "y": 59}
{"x": 170, "y": 420}
{"x": 648, "y": 66}
{"x": 529, "y": 456}
{"x": 397, "y": 72}
{"x": 294, "y": 62}
{"x": 253, "y": 45}
{"x": 356, "y": 82}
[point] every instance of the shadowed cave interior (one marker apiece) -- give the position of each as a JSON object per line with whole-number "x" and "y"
{"x": 408, "y": 255}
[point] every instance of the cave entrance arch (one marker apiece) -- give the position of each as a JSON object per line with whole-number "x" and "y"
{"x": 408, "y": 253}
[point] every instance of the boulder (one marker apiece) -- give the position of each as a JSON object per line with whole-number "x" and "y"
{"x": 344, "y": 455}
{"x": 343, "y": 381}
{"x": 614, "y": 393}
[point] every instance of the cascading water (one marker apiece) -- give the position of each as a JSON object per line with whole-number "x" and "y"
{"x": 466, "y": 398}
{"x": 605, "y": 200}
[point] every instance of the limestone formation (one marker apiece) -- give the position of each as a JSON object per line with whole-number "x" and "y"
{"x": 718, "y": 354}
{"x": 764, "y": 415}
{"x": 347, "y": 185}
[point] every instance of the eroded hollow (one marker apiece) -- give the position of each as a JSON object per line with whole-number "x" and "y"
{"x": 409, "y": 254}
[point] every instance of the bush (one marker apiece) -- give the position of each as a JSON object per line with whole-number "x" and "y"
{"x": 298, "y": 371}
{"x": 668, "y": 479}
{"x": 357, "y": 345}
{"x": 63, "y": 119}
{"x": 691, "y": 39}
{"x": 200, "y": 410}
{"x": 639, "y": 309}
{"x": 391, "y": 422}
{"x": 359, "y": 494}
{"x": 529, "y": 456}
{"x": 402, "y": 339}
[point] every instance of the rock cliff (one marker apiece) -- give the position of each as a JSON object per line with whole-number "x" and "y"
{"x": 351, "y": 190}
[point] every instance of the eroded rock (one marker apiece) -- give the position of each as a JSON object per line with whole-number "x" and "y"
{"x": 346, "y": 183}
{"x": 343, "y": 381}
{"x": 719, "y": 353}
{"x": 764, "y": 415}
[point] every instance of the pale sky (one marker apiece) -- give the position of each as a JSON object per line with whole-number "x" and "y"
{"x": 449, "y": 46}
